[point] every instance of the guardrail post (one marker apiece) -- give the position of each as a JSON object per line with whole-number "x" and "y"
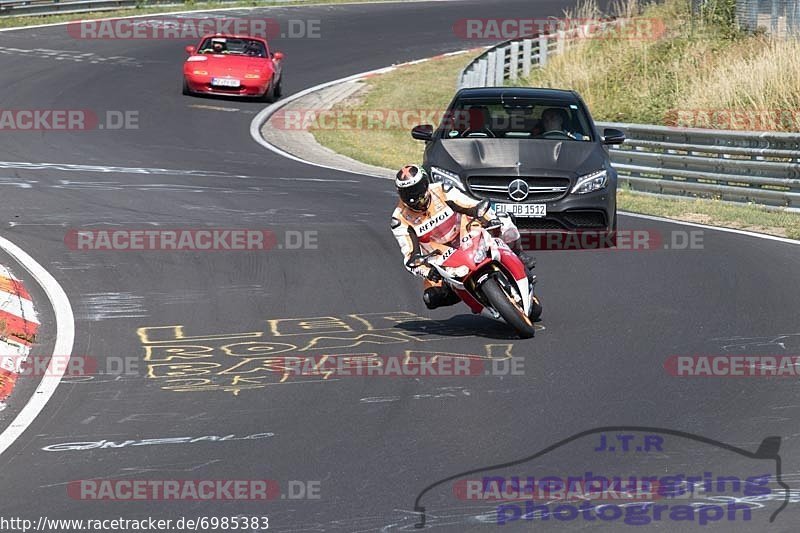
{"x": 500, "y": 66}
{"x": 482, "y": 69}
{"x": 491, "y": 68}
{"x": 773, "y": 20}
{"x": 527, "y": 45}
{"x": 587, "y": 28}
{"x": 513, "y": 61}
{"x": 544, "y": 44}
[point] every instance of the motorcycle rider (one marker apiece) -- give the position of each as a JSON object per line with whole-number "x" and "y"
{"x": 429, "y": 213}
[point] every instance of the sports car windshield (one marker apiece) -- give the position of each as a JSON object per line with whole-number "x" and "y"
{"x": 231, "y": 46}
{"x": 525, "y": 119}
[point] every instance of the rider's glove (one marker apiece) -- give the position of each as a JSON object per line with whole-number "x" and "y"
{"x": 494, "y": 227}
{"x": 433, "y": 275}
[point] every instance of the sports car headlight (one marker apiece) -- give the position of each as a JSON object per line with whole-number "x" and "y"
{"x": 200, "y": 72}
{"x": 445, "y": 176}
{"x": 591, "y": 182}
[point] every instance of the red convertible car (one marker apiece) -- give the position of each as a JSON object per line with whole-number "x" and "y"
{"x": 233, "y": 65}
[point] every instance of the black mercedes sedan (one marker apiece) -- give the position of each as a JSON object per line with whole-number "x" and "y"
{"x": 534, "y": 153}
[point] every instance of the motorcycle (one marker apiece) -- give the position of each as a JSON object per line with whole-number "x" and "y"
{"x": 488, "y": 276}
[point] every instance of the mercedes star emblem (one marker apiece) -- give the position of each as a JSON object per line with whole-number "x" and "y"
{"x": 518, "y": 190}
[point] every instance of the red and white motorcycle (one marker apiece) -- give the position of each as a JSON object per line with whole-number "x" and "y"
{"x": 488, "y": 276}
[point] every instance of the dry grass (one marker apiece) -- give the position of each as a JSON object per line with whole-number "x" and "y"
{"x": 696, "y": 64}
{"x": 383, "y": 143}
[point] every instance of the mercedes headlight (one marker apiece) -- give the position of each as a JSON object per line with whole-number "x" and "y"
{"x": 445, "y": 176}
{"x": 591, "y": 182}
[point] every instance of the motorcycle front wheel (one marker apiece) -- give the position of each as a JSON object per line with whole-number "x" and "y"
{"x": 503, "y": 303}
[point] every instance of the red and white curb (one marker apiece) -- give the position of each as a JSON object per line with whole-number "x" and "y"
{"x": 18, "y": 328}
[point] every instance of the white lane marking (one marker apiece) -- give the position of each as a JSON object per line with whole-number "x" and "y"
{"x": 715, "y": 228}
{"x": 215, "y": 108}
{"x": 266, "y": 113}
{"x": 65, "y": 338}
{"x": 222, "y": 9}
{"x": 69, "y": 167}
{"x": 323, "y": 180}
{"x": 69, "y": 55}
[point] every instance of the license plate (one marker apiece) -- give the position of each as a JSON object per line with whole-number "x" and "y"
{"x": 225, "y": 82}
{"x": 522, "y": 210}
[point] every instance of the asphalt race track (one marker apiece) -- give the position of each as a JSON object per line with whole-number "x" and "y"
{"x": 611, "y": 319}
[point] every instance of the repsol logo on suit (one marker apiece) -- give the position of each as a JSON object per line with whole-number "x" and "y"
{"x": 434, "y": 221}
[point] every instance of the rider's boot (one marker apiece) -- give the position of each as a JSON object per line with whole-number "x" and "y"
{"x": 439, "y": 297}
{"x": 527, "y": 260}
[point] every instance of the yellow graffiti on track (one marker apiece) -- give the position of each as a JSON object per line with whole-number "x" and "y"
{"x": 235, "y": 362}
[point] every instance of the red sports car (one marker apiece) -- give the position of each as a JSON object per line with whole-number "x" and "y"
{"x": 233, "y": 65}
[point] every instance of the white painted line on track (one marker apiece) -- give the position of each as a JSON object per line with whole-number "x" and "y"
{"x": 715, "y": 228}
{"x": 265, "y": 114}
{"x": 217, "y": 9}
{"x": 65, "y": 337}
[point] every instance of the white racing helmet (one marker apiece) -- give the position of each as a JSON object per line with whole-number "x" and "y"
{"x": 412, "y": 185}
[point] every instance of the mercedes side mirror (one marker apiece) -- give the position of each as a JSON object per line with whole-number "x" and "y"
{"x": 613, "y": 136}
{"x": 423, "y": 132}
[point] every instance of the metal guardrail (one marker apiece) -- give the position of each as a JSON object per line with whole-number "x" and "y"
{"x": 780, "y": 18}
{"x": 737, "y": 166}
{"x": 511, "y": 59}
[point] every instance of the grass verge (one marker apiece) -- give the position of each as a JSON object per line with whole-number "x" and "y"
{"x": 698, "y": 70}
{"x": 392, "y": 147}
{"x": 713, "y": 212}
{"x": 415, "y": 90}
